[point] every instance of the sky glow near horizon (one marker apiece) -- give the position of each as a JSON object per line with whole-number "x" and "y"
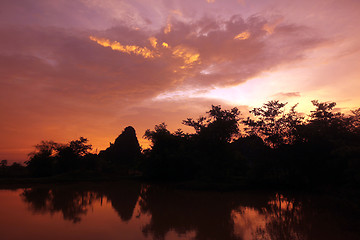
{"x": 92, "y": 67}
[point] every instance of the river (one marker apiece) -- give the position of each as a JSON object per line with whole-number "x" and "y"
{"x": 133, "y": 210}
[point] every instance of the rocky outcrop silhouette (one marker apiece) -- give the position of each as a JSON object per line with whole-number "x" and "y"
{"x": 125, "y": 150}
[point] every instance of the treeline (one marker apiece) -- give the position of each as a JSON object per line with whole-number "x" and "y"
{"x": 13, "y": 170}
{"x": 273, "y": 146}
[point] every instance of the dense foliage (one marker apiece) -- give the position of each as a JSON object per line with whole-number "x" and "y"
{"x": 50, "y": 158}
{"x": 276, "y": 147}
{"x": 273, "y": 146}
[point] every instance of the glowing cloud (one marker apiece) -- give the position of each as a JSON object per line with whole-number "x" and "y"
{"x": 210, "y": 1}
{"x": 129, "y": 49}
{"x": 153, "y": 42}
{"x": 270, "y": 27}
{"x": 242, "y": 36}
{"x": 189, "y": 56}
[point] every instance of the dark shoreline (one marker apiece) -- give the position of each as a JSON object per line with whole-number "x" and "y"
{"x": 192, "y": 185}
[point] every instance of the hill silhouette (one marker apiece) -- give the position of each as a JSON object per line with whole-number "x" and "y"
{"x": 125, "y": 152}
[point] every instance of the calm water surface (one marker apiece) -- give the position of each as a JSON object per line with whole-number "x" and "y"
{"x": 129, "y": 210}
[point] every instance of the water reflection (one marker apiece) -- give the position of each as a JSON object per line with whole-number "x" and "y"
{"x": 196, "y": 214}
{"x": 206, "y": 214}
{"x": 73, "y": 202}
{"x": 282, "y": 218}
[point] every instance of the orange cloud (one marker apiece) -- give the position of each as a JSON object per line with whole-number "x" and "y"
{"x": 190, "y": 56}
{"x": 242, "y": 36}
{"x": 153, "y": 42}
{"x": 129, "y": 49}
{"x": 270, "y": 27}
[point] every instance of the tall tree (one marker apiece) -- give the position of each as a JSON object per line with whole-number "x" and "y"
{"x": 218, "y": 126}
{"x": 273, "y": 124}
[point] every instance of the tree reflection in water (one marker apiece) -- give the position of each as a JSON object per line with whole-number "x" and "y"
{"x": 284, "y": 219}
{"x": 73, "y": 202}
{"x": 280, "y": 219}
{"x": 206, "y": 214}
{"x": 199, "y": 214}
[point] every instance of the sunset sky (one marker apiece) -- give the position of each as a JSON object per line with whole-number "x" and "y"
{"x": 71, "y": 68}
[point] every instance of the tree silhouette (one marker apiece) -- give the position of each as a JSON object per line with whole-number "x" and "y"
{"x": 170, "y": 156}
{"x": 3, "y": 163}
{"x": 218, "y": 126}
{"x": 50, "y": 157}
{"x": 273, "y": 124}
{"x": 69, "y": 156}
{"x": 41, "y": 161}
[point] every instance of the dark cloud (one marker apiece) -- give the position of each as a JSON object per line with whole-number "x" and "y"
{"x": 69, "y": 64}
{"x": 285, "y": 95}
